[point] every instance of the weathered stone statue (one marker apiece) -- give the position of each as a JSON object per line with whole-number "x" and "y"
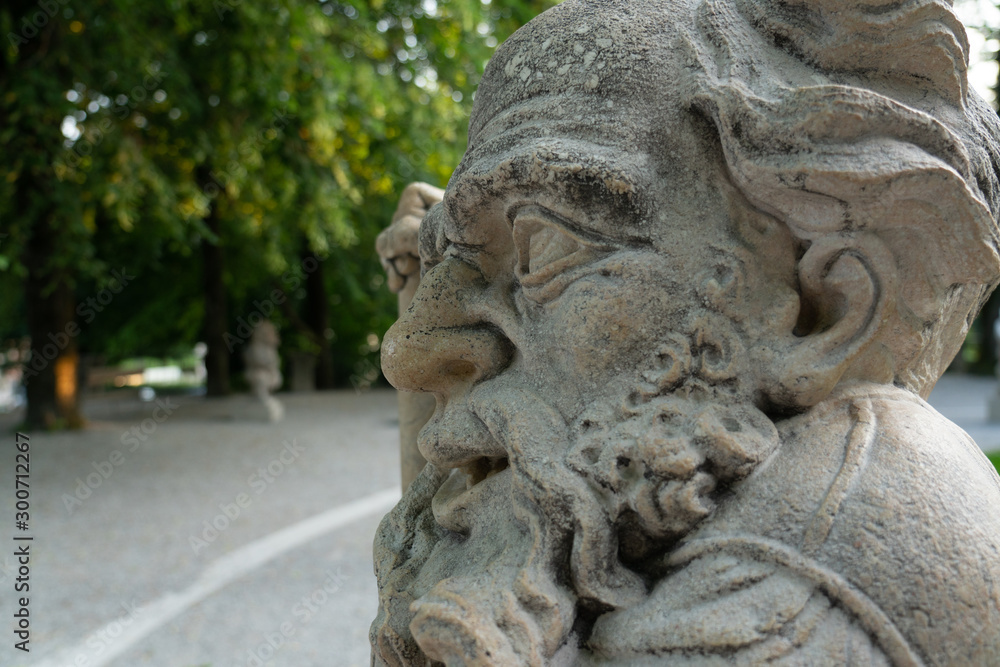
{"x": 263, "y": 368}
{"x": 679, "y": 308}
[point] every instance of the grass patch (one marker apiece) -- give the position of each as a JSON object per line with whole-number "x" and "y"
{"x": 994, "y": 458}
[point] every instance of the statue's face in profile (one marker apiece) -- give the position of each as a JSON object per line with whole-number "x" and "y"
{"x": 563, "y": 300}
{"x": 575, "y": 312}
{"x": 577, "y": 238}
{"x": 533, "y": 289}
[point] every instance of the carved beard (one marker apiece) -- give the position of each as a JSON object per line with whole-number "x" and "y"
{"x": 488, "y": 596}
{"x": 659, "y": 468}
{"x": 556, "y": 541}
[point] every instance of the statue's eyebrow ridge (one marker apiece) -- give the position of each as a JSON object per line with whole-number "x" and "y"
{"x": 611, "y": 176}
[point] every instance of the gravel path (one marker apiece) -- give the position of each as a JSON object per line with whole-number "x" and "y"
{"x": 130, "y": 553}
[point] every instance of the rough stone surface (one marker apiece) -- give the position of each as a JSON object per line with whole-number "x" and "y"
{"x": 263, "y": 368}
{"x": 680, "y": 309}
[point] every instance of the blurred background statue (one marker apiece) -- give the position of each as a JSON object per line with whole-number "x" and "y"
{"x": 263, "y": 368}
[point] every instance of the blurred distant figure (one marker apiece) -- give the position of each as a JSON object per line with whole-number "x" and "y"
{"x": 11, "y": 391}
{"x": 263, "y": 367}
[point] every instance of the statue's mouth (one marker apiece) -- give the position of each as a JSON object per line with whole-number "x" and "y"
{"x": 465, "y": 489}
{"x": 483, "y": 468}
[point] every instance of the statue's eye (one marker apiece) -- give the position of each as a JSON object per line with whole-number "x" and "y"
{"x": 542, "y": 249}
{"x": 548, "y": 253}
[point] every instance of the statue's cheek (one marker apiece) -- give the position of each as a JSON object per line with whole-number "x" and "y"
{"x": 604, "y": 328}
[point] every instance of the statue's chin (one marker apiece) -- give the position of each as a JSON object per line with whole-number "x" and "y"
{"x": 477, "y": 531}
{"x": 456, "y": 504}
{"x": 466, "y": 552}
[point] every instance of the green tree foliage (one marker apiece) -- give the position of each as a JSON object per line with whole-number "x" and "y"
{"x": 233, "y": 157}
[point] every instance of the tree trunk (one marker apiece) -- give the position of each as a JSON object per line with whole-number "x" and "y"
{"x": 216, "y": 312}
{"x": 317, "y": 318}
{"x": 51, "y": 372}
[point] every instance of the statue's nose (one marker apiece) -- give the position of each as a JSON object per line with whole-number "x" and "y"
{"x": 436, "y": 345}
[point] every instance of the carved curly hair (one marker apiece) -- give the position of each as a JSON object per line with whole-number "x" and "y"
{"x": 852, "y": 123}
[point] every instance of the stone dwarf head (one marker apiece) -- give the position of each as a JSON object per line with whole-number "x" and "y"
{"x": 849, "y": 125}
{"x": 266, "y": 334}
{"x": 700, "y": 215}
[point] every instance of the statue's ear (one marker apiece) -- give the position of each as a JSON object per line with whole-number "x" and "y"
{"x": 845, "y": 297}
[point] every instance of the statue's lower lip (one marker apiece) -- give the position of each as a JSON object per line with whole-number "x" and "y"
{"x": 464, "y": 489}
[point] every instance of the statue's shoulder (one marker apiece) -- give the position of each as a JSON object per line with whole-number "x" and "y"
{"x": 916, "y": 527}
{"x": 876, "y": 465}
{"x": 871, "y": 537}
{"x": 901, "y": 482}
